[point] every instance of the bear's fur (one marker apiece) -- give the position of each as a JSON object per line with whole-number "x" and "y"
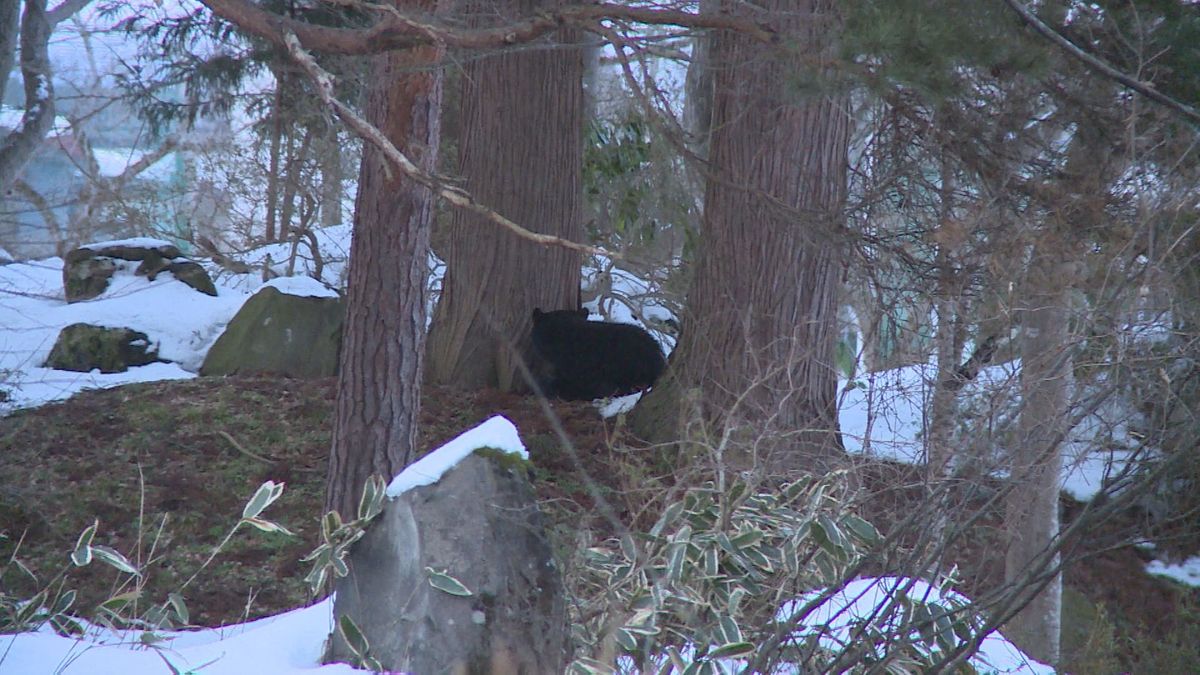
{"x": 592, "y": 359}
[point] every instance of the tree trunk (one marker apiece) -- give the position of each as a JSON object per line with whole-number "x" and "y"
{"x": 10, "y": 11}
{"x": 274, "y": 152}
{"x": 1032, "y": 508}
{"x": 19, "y": 145}
{"x": 379, "y": 383}
{"x": 331, "y": 177}
{"x": 520, "y": 152}
{"x": 760, "y": 324}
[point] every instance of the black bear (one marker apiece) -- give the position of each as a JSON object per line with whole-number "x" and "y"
{"x": 592, "y": 359}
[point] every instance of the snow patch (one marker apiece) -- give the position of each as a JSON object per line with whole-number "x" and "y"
{"x": 301, "y": 286}
{"x": 497, "y": 433}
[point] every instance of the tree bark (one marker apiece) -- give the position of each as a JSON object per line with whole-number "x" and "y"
{"x": 19, "y": 145}
{"x": 331, "y": 177}
{"x": 760, "y": 325}
{"x": 379, "y": 382}
{"x": 520, "y": 152}
{"x": 10, "y": 12}
{"x": 1031, "y": 515}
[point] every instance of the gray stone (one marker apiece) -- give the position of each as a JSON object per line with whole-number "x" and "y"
{"x": 280, "y": 334}
{"x": 480, "y": 525}
{"x": 83, "y": 347}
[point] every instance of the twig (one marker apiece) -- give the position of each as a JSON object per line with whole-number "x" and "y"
{"x": 242, "y": 450}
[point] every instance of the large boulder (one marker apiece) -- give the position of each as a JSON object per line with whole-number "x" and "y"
{"x": 282, "y": 334}
{"x": 88, "y": 269}
{"x": 83, "y": 348}
{"x": 479, "y": 525}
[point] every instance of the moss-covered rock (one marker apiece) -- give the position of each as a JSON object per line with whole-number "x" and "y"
{"x": 83, "y": 347}
{"x": 193, "y": 275}
{"x": 280, "y": 334}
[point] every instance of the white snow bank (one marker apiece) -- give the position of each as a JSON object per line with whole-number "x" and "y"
{"x": 279, "y": 645}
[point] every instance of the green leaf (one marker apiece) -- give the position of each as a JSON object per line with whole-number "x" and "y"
{"x": 371, "y": 504}
{"x": 625, "y": 639}
{"x": 82, "y": 555}
{"x": 732, "y": 649}
{"x": 64, "y": 601}
{"x": 267, "y": 493}
{"x": 355, "y": 640}
{"x": 180, "y": 607}
{"x": 267, "y": 526}
{"x": 668, "y": 518}
{"x": 446, "y": 583}
{"x": 676, "y": 556}
{"x": 114, "y": 559}
{"x": 861, "y": 529}
{"x": 331, "y": 522}
{"x": 117, "y": 603}
{"x": 729, "y": 629}
{"x": 750, "y": 538}
{"x": 628, "y": 547}
{"x": 711, "y": 561}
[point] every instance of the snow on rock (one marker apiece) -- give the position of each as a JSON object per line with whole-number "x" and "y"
{"x": 284, "y": 644}
{"x": 302, "y": 286}
{"x": 497, "y": 433}
{"x": 131, "y": 242}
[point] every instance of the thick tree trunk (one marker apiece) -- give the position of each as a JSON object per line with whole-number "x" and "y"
{"x": 18, "y": 146}
{"x": 520, "y": 152}
{"x": 1032, "y": 507}
{"x": 760, "y": 325}
{"x": 379, "y": 382}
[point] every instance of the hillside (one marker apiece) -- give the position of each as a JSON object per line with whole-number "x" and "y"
{"x": 180, "y": 458}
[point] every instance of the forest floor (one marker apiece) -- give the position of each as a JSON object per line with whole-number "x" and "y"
{"x": 166, "y": 467}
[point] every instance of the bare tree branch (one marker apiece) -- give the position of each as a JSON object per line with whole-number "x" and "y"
{"x": 64, "y": 11}
{"x": 456, "y": 196}
{"x": 398, "y": 30}
{"x": 1099, "y": 65}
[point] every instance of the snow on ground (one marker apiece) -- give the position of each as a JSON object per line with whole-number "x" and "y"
{"x": 180, "y": 321}
{"x": 862, "y": 599}
{"x": 287, "y": 643}
{"x": 1186, "y": 572}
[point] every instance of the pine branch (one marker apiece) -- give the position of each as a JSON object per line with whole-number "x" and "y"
{"x": 1095, "y": 63}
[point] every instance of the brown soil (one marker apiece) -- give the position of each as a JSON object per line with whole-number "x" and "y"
{"x": 155, "y": 465}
